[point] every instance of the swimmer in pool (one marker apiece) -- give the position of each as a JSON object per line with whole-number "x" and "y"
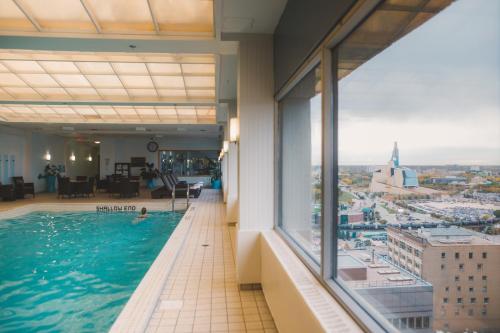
{"x": 144, "y": 213}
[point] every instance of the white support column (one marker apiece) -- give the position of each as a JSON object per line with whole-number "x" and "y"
{"x": 256, "y": 152}
{"x": 232, "y": 183}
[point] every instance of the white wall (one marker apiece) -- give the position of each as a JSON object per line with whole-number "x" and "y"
{"x": 29, "y": 149}
{"x": 12, "y": 143}
{"x": 256, "y": 151}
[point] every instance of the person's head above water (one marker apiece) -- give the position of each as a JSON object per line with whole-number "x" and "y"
{"x": 143, "y": 211}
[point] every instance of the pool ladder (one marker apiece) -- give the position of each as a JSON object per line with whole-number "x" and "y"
{"x": 173, "y": 198}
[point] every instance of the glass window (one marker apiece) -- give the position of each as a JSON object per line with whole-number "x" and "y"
{"x": 413, "y": 112}
{"x": 300, "y": 121}
{"x": 189, "y": 162}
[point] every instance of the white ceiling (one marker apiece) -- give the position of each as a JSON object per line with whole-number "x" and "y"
{"x": 231, "y": 16}
{"x": 251, "y": 16}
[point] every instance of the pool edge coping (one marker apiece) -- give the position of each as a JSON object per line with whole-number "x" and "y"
{"x": 84, "y": 207}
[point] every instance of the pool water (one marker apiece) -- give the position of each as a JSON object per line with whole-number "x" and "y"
{"x": 74, "y": 272}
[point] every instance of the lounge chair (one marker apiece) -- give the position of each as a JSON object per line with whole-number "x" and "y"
{"x": 21, "y": 188}
{"x": 168, "y": 190}
{"x": 194, "y": 189}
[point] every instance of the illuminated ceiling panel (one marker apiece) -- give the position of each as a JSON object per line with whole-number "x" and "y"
{"x": 67, "y": 76}
{"x": 162, "y": 18}
{"x": 29, "y": 113}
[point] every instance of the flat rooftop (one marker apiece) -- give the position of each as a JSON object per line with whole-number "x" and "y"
{"x": 379, "y": 274}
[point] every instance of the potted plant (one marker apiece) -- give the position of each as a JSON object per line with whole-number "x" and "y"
{"x": 148, "y": 173}
{"x": 50, "y": 173}
{"x": 215, "y": 174}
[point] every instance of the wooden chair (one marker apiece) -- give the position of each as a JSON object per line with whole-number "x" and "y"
{"x": 21, "y": 188}
{"x": 7, "y": 192}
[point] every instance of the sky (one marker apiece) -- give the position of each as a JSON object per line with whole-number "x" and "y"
{"x": 436, "y": 92}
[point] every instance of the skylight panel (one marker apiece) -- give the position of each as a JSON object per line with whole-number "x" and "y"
{"x": 11, "y": 80}
{"x": 194, "y": 16}
{"x": 122, "y": 16}
{"x": 142, "y": 92}
{"x": 56, "y": 93}
{"x": 59, "y": 67}
{"x": 84, "y": 110}
{"x": 200, "y": 81}
{"x": 72, "y": 80}
{"x": 136, "y": 81}
{"x": 83, "y": 93}
{"x": 104, "y": 110}
{"x": 145, "y": 111}
{"x": 95, "y": 67}
{"x": 12, "y": 18}
{"x": 130, "y": 68}
{"x": 104, "y": 81}
{"x": 38, "y": 80}
{"x": 186, "y": 111}
{"x": 111, "y": 94}
{"x": 59, "y": 15}
{"x": 164, "y": 111}
{"x": 169, "y": 81}
{"x": 125, "y": 110}
{"x": 201, "y": 93}
{"x": 164, "y": 69}
{"x": 22, "y": 92}
{"x": 172, "y": 93}
{"x": 23, "y": 66}
{"x": 198, "y": 68}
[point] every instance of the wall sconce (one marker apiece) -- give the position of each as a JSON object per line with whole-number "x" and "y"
{"x": 97, "y": 142}
{"x": 225, "y": 146}
{"x": 72, "y": 157}
{"x": 89, "y": 158}
{"x": 47, "y": 156}
{"x": 221, "y": 155}
{"x": 234, "y": 129}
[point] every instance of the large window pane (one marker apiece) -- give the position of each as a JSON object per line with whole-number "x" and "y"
{"x": 419, "y": 149}
{"x": 189, "y": 162}
{"x": 300, "y": 170}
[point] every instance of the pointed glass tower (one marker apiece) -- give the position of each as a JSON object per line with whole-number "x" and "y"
{"x": 395, "y": 155}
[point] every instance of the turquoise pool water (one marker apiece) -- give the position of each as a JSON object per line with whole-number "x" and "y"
{"x": 74, "y": 272}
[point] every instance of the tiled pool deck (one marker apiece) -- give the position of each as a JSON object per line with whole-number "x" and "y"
{"x": 201, "y": 293}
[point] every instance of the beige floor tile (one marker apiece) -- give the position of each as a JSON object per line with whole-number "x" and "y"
{"x": 204, "y": 279}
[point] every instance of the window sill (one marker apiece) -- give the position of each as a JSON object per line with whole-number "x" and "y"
{"x": 297, "y": 300}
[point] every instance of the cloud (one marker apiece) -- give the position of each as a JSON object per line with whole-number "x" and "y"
{"x": 439, "y": 86}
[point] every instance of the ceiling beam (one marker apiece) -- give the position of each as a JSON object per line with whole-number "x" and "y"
{"x": 150, "y": 45}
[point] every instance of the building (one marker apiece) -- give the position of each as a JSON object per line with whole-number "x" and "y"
{"x": 396, "y": 179}
{"x": 402, "y": 298}
{"x": 453, "y": 180}
{"x": 462, "y": 267}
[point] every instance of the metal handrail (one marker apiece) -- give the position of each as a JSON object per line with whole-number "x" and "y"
{"x": 173, "y": 197}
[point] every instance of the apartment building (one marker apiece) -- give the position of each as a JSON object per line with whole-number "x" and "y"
{"x": 463, "y": 267}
